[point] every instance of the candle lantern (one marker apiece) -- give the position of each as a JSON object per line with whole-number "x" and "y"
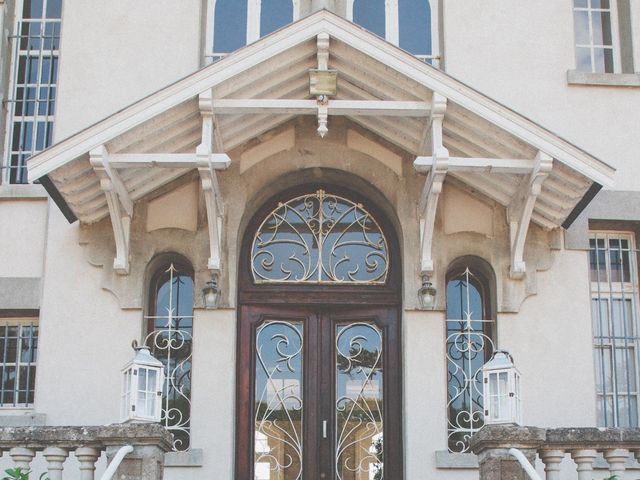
{"x": 142, "y": 380}
{"x": 501, "y": 388}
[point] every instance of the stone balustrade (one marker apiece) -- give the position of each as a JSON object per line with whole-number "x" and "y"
{"x": 552, "y": 446}
{"x": 145, "y": 462}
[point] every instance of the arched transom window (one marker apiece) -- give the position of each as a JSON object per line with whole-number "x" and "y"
{"x": 319, "y": 237}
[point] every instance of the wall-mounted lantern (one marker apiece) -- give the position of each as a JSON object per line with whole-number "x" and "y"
{"x": 501, "y": 388}
{"x": 142, "y": 380}
{"x": 210, "y": 293}
{"x": 427, "y": 294}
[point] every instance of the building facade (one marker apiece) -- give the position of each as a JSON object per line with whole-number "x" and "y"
{"x": 376, "y": 195}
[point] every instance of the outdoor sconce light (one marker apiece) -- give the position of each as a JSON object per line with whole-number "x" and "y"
{"x": 143, "y": 378}
{"x": 427, "y": 294}
{"x": 210, "y": 293}
{"x": 501, "y": 389}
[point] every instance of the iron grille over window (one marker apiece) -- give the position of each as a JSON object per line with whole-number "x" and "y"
{"x": 18, "y": 347}
{"x": 36, "y": 44}
{"x": 469, "y": 346}
{"x": 170, "y": 339}
{"x": 614, "y": 303}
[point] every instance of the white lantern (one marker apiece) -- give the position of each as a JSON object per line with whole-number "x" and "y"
{"x": 142, "y": 380}
{"x": 501, "y": 388}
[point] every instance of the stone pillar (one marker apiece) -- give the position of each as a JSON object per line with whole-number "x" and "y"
{"x": 492, "y": 444}
{"x": 150, "y": 442}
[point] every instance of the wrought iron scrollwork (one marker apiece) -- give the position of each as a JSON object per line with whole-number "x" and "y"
{"x": 359, "y": 409}
{"x": 320, "y": 238}
{"x": 278, "y": 402}
{"x": 171, "y": 343}
{"x": 468, "y": 346}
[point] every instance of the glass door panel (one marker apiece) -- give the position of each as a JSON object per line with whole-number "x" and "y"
{"x": 278, "y": 431}
{"x": 359, "y": 402}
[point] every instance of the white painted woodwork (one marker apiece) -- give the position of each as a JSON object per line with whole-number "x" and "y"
{"x": 219, "y": 161}
{"x": 479, "y": 165}
{"x": 520, "y": 210}
{"x": 209, "y": 181}
{"x": 433, "y": 185}
{"x": 117, "y": 196}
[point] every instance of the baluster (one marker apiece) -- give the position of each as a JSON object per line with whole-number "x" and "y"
{"x": 617, "y": 459}
{"x": 55, "y": 458}
{"x": 87, "y": 458}
{"x": 552, "y": 460}
{"x": 22, "y": 457}
{"x": 584, "y": 459}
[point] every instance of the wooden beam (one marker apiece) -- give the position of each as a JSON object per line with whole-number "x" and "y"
{"x": 479, "y": 165}
{"x": 433, "y": 185}
{"x": 219, "y": 161}
{"x": 205, "y": 104}
{"x": 117, "y": 197}
{"x": 520, "y": 209}
{"x": 239, "y": 106}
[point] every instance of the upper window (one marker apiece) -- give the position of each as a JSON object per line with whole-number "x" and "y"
{"x": 596, "y": 36}
{"x": 407, "y": 23}
{"x": 18, "y": 347}
{"x": 169, "y": 327}
{"x": 35, "y": 44}
{"x": 320, "y": 238}
{"x": 470, "y": 333}
{"x": 614, "y": 303}
{"x": 236, "y": 23}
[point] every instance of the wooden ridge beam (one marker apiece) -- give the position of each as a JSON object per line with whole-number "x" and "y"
{"x": 479, "y": 165}
{"x": 219, "y": 161}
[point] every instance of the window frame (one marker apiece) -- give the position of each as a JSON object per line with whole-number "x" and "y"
{"x": 19, "y": 322}
{"x": 17, "y": 21}
{"x": 615, "y": 37}
{"x": 621, "y": 291}
{"x": 254, "y": 10}
{"x": 392, "y": 27}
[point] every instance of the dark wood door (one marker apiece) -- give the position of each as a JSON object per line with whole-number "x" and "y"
{"x": 319, "y": 393}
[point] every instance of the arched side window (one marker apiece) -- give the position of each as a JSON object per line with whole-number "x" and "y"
{"x": 232, "y": 24}
{"x": 411, "y": 24}
{"x": 169, "y": 335}
{"x": 470, "y": 334}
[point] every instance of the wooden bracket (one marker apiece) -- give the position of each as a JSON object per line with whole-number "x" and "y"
{"x": 520, "y": 209}
{"x": 433, "y": 184}
{"x": 209, "y": 180}
{"x": 323, "y": 64}
{"x": 119, "y": 203}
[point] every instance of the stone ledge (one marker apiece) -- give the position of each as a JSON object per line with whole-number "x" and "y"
{"x": 576, "y": 77}
{"x": 190, "y": 458}
{"x": 449, "y": 460}
{"x": 18, "y": 191}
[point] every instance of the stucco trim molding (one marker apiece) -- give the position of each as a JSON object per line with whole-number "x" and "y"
{"x": 21, "y": 418}
{"x": 189, "y": 458}
{"x": 455, "y": 461}
{"x": 17, "y": 192}
{"x": 19, "y": 293}
{"x": 576, "y": 77}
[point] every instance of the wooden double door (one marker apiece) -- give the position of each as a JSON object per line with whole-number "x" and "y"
{"x": 319, "y": 393}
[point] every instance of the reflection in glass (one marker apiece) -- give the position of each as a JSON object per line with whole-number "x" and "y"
{"x": 469, "y": 346}
{"x": 275, "y": 14}
{"x": 414, "y": 19}
{"x": 170, "y": 340}
{"x": 278, "y": 401}
{"x": 319, "y": 238}
{"x": 370, "y": 14}
{"x": 230, "y": 25}
{"x": 359, "y": 402}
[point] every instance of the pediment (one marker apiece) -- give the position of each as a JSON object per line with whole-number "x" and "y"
{"x": 381, "y": 88}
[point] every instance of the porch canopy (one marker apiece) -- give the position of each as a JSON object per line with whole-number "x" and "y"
{"x": 452, "y": 130}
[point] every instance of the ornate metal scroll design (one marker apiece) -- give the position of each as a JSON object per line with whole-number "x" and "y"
{"x": 359, "y": 417}
{"x": 467, "y": 346}
{"x": 320, "y": 238}
{"x": 278, "y": 416}
{"x": 171, "y": 344}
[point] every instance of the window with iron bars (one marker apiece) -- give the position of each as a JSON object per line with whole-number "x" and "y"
{"x": 32, "y": 98}
{"x": 18, "y": 347}
{"x": 614, "y": 307}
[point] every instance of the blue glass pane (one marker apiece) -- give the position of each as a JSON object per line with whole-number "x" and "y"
{"x": 230, "y": 26}
{"x": 415, "y": 26}
{"x": 370, "y": 15}
{"x": 275, "y": 14}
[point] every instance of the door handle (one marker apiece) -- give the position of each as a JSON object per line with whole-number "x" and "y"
{"x": 324, "y": 429}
